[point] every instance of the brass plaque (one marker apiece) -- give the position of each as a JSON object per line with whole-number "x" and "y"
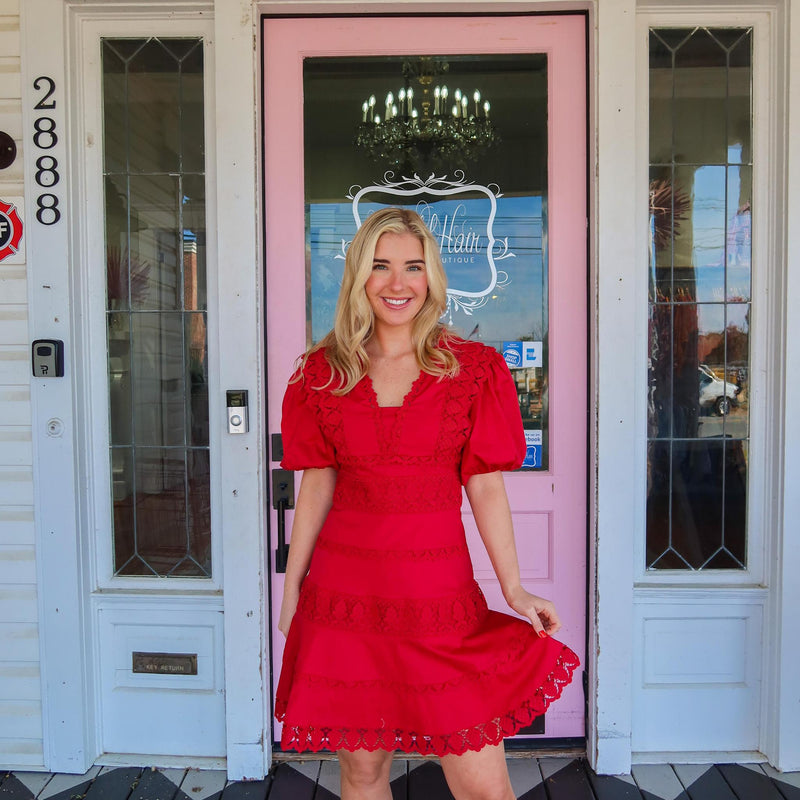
{"x": 165, "y": 663}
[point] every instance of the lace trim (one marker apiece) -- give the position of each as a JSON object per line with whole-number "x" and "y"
{"x": 393, "y": 616}
{"x": 376, "y": 554}
{"x": 510, "y": 659}
{"x": 315, "y": 738}
{"x": 401, "y": 494}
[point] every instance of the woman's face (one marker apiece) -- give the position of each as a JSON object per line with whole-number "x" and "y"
{"x": 398, "y": 286}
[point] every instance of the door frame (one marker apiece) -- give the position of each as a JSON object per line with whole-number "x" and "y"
{"x": 53, "y": 34}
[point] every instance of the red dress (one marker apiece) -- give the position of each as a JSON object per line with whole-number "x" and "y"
{"x": 392, "y": 645}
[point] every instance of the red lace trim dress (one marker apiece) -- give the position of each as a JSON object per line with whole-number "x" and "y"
{"x": 392, "y": 645}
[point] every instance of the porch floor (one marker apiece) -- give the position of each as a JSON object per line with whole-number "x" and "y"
{"x": 532, "y": 778}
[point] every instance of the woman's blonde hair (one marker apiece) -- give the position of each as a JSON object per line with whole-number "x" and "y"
{"x": 344, "y": 346}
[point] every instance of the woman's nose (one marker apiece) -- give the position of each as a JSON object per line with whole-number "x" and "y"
{"x": 398, "y": 280}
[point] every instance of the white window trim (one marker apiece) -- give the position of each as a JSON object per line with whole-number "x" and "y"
{"x": 762, "y": 321}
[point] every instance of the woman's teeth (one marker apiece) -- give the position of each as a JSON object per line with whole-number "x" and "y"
{"x": 393, "y": 302}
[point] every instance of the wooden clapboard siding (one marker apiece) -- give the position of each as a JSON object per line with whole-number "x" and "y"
{"x": 20, "y": 678}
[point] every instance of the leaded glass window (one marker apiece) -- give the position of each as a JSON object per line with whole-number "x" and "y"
{"x": 156, "y": 306}
{"x": 699, "y": 298}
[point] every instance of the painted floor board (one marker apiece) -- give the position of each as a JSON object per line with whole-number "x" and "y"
{"x": 289, "y": 783}
{"x": 658, "y": 782}
{"x": 525, "y": 775}
{"x": 426, "y": 782}
{"x": 114, "y": 784}
{"x": 34, "y": 781}
{"x": 748, "y": 783}
{"x": 614, "y": 787}
{"x": 154, "y": 785}
{"x": 11, "y": 788}
{"x": 565, "y": 779}
{"x": 788, "y": 783}
{"x": 204, "y": 784}
{"x": 62, "y": 786}
{"x": 704, "y": 782}
{"x": 248, "y": 790}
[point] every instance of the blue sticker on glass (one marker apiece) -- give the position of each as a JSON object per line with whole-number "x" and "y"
{"x": 533, "y": 452}
{"x": 512, "y": 353}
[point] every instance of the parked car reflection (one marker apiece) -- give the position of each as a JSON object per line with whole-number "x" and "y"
{"x": 715, "y": 393}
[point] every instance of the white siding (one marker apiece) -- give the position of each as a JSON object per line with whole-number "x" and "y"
{"x": 20, "y": 684}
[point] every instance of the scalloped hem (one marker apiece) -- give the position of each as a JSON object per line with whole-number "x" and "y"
{"x": 316, "y": 738}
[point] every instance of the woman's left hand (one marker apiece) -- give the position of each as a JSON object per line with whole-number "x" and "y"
{"x": 541, "y": 612}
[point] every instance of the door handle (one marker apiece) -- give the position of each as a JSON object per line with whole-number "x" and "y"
{"x": 282, "y": 499}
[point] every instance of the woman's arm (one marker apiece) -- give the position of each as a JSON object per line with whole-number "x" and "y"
{"x": 487, "y": 496}
{"x": 314, "y": 501}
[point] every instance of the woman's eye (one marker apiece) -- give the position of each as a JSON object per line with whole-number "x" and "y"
{"x": 415, "y": 268}
{"x": 379, "y": 266}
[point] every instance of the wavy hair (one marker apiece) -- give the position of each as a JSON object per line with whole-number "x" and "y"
{"x": 345, "y": 346}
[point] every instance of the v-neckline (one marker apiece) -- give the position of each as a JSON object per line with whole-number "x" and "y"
{"x": 407, "y": 398}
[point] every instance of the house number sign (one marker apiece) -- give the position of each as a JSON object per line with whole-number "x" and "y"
{"x": 45, "y": 138}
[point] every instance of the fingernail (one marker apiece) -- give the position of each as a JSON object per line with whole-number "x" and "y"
{"x": 542, "y": 634}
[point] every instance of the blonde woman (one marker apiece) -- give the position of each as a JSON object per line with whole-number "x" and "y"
{"x": 390, "y": 645}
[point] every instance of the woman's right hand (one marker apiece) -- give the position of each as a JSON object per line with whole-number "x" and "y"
{"x": 288, "y": 608}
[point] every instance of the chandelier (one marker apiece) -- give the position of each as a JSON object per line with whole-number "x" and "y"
{"x": 428, "y": 127}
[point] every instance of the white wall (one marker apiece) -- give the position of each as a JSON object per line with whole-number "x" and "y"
{"x": 20, "y": 686}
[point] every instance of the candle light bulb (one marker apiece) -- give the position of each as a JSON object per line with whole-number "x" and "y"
{"x": 455, "y": 111}
{"x": 444, "y": 92}
{"x": 486, "y": 108}
{"x": 458, "y": 95}
{"x": 464, "y": 106}
{"x": 437, "y": 92}
{"x": 372, "y": 99}
{"x": 394, "y": 111}
{"x": 414, "y": 114}
{"x": 477, "y": 96}
{"x": 364, "y": 109}
{"x": 377, "y": 119}
{"x": 389, "y": 99}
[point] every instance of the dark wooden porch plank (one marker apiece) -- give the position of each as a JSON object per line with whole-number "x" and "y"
{"x": 526, "y": 778}
{"x": 614, "y": 787}
{"x": 747, "y": 782}
{"x": 398, "y": 779}
{"x": 788, "y": 783}
{"x": 658, "y": 782}
{"x": 704, "y": 782}
{"x": 114, "y": 784}
{"x": 35, "y": 781}
{"x": 291, "y": 781}
{"x": 203, "y": 784}
{"x": 64, "y": 787}
{"x": 247, "y": 790}
{"x": 11, "y": 788}
{"x": 426, "y": 782}
{"x": 566, "y": 779}
{"x": 154, "y": 785}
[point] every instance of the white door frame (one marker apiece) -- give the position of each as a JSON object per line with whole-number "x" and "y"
{"x": 58, "y": 292}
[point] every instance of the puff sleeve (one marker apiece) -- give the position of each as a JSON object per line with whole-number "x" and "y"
{"x": 497, "y": 440}
{"x": 305, "y": 445}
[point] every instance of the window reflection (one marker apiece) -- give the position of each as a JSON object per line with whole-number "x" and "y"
{"x": 699, "y": 272}
{"x": 156, "y": 300}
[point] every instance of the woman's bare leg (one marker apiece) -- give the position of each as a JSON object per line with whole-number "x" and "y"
{"x": 478, "y": 775}
{"x": 365, "y": 775}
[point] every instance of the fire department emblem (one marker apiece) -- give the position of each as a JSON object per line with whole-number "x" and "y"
{"x": 10, "y": 230}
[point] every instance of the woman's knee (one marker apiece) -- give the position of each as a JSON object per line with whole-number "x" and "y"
{"x": 362, "y": 768}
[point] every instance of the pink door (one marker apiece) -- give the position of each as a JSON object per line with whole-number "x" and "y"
{"x": 504, "y": 190}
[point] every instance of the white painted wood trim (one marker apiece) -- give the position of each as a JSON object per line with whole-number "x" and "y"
{"x": 67, "y": 727}
{"x": 616, "y": 354}
{"x": 240, "y": 289}
{"x": 784, "y": 745}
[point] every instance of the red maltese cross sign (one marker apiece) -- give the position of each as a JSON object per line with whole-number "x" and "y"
{"x": 10, "y": 230}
